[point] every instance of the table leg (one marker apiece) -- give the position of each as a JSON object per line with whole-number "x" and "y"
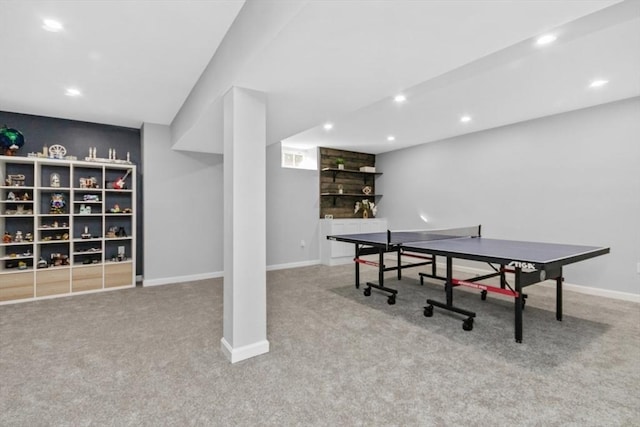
{"x": 467, "y": 325}
{"x": 433, "y": 265}
{"x": 381, "y": 267}
{"x": 559, "y": 297}
{"x": 448, "y": 286}
{"x": 380, "y": 285}
{"x": 357, "y": 266}
{"x": 518, "y": 305}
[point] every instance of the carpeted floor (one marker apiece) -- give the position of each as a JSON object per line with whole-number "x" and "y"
{"x": 151, "y": 356}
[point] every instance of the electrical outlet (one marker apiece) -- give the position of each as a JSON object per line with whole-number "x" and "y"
{"x": 303, "y": 243}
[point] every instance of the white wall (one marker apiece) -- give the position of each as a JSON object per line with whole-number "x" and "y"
{"x": 569, "y": 178}
{"x": 183, "y": 216}
{"x": 292, "y": 213}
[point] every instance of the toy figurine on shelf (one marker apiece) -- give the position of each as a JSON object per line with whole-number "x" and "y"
{"x": 115, "y": 208}
{"x": 15, "y": 180}
{"x": 58, "y": 259}
{"x": 28, "y": 237}
{"x": 11, "y": 196}
{"x": 7, "y": 237}
{"x": 57, "y": 203}
{"x": 111, "y": 233}
{"x": 54, "y": 180}
{"x": 18, "y": 237}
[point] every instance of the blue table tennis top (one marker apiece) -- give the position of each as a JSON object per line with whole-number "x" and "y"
{"x": 493, "y": 250}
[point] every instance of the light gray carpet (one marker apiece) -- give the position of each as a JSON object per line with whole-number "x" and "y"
{"x": 151, "y": 356}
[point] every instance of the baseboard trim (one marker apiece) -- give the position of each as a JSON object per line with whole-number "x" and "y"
{"x": 293, "y": 265}
{"x": 182, "y": 279}
{"x": 587, "y": 290}
{"x": 217, "y": 274}
{"x": 238, "y": 354}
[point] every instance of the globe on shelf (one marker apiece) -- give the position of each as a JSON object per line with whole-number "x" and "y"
{"x": 11, "y": 140}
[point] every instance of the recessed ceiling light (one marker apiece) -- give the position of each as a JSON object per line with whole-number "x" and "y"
{"x": 72, "y": 92}
{"x": 546, "y": 39}
{"x": 391, "y": 138}
{"x": 400, "y": 98}
{"x": 328, "y": 126}
{"x": 52, "y": 25}
{"x": 465, "y": 119}
{"x": 598, "y": 83}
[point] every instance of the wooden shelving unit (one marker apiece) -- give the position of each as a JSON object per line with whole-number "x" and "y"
{"x": 342, "y": 188}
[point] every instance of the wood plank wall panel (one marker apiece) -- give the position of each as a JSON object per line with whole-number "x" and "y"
{"x": 352, "y": 183}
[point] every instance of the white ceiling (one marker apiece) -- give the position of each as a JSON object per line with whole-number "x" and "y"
{"x": 136, "y": 62}
{"x": 458, "y": 58}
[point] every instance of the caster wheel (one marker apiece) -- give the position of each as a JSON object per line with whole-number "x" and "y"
{"x": 391, "y": 300}
{"x": 367, "y": 292}
{"x": 524, "y": 301}
{"x": 467, "y": 325}
{"x": 428, "y": 311}
{"x": 358, "y": 286}
{"x": 483, "y": 295}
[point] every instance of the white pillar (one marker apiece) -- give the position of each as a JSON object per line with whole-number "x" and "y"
{"x": 245, "y": 280}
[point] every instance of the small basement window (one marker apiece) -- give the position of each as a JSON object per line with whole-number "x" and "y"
{"x": 299, "y": 158}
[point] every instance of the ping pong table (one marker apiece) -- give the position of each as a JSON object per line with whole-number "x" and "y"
{"x": 528, "y": 262}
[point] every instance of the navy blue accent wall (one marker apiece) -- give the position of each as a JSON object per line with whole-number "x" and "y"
{"x": 77, "y": 137}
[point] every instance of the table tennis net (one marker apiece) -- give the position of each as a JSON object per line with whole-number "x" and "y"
{"x": 399, "y": 237}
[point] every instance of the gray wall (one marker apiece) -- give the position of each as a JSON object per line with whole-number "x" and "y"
{"x": 183, "y": 220}
{"x": 184, "y": 211}
{"x": 292, "y": 213}
{"x": 77, "y": 137}
{"x": 569, "y": 178}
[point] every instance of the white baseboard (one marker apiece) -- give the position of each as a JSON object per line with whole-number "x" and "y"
{"x": 339, "y": 260}
{"x": 624, "y": 296}
{"x": 293, "y": 265}
{"x": 182, "y": 279}
{"x": 245, "y": 352}
{"x": 587, "y": 290}
{"x": 216, "y": 274}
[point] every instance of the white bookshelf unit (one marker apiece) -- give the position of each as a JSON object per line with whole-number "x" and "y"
{"x": 65, "y": 229}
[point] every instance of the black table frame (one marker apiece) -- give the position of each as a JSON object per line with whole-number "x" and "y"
{"x": 522, "y": 278}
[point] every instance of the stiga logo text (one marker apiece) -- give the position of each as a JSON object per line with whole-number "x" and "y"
{"x": 519, "y": 264}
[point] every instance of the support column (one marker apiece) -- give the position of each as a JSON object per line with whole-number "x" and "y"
{"x": 245, "y": 294}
